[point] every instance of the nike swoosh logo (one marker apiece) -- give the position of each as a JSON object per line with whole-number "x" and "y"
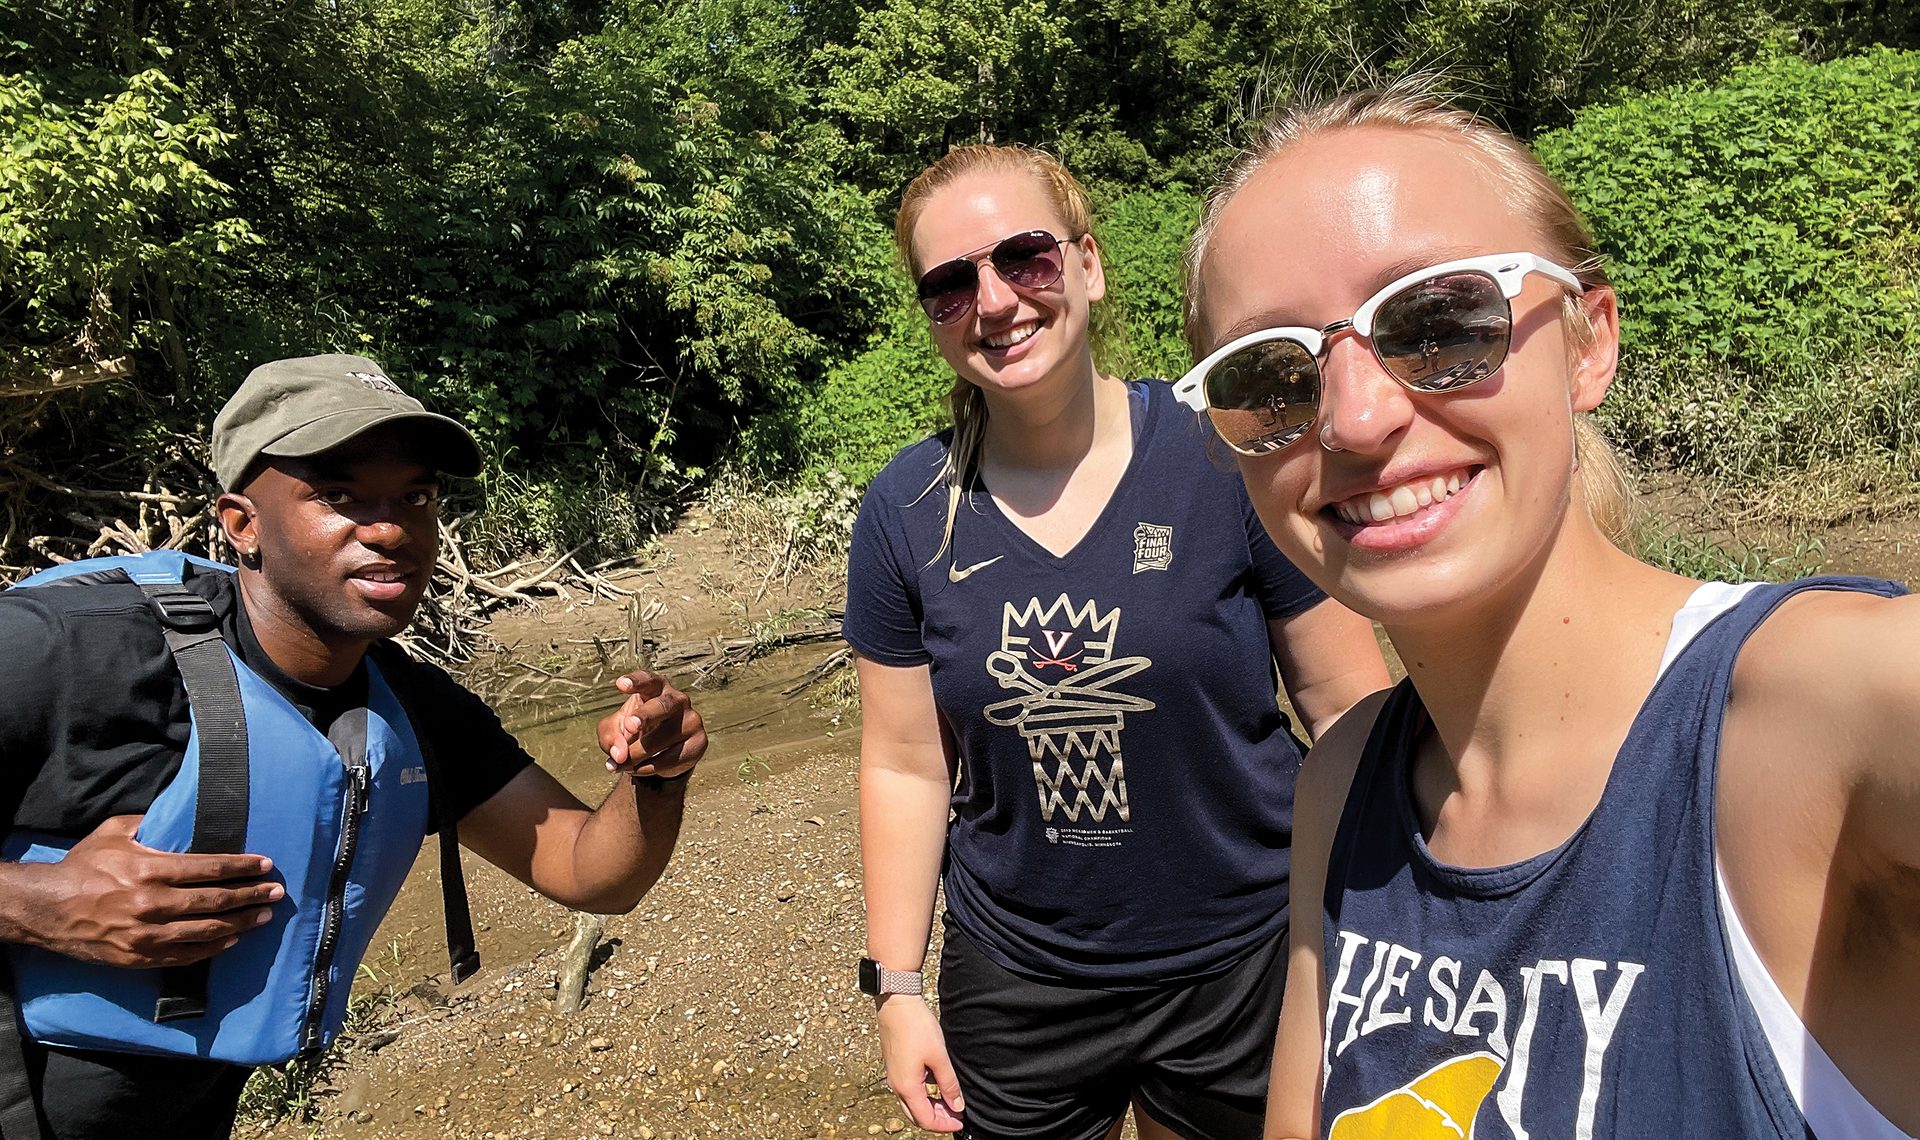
{"x": 954, "y": 573}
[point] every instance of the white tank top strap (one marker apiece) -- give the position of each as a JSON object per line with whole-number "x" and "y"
{"x": 1708, "y": 601}
{"x": 1834, "y": 1109}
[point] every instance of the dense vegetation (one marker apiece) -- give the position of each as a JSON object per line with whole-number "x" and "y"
{"x": 627, "y": 241}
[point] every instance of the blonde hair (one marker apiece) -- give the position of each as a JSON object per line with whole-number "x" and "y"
{"x": 965, "y": 403}
{"x": 1413, "y": 104}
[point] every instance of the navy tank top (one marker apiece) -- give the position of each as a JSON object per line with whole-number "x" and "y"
{"x": 1585, "y": 992}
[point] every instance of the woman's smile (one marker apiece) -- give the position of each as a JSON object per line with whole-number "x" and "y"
{"x": 1404, "y": 515}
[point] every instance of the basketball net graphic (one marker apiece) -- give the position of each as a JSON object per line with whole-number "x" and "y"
{"x": 1059, "y": 658}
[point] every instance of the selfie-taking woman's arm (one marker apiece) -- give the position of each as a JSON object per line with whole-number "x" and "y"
{"x": 1835, "y": 675}
{"x": 1293, "y": 1098}
{"x": 905, "y": 782}
{"x": 1886, "y": 788}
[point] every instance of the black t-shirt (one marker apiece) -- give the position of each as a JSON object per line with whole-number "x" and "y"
{"x": 94, "y": 719}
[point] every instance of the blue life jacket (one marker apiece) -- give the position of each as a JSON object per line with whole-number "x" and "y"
{"x": 341, "y": 819}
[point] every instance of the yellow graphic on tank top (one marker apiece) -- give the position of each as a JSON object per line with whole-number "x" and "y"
{"x": 1059, "y": 658}
{"x": 1439, "y": 1104}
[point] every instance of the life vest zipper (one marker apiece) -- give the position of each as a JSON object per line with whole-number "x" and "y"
{"x": 359, "y": 785}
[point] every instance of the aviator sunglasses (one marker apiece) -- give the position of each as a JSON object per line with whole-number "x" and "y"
{"x": 1030, "y": 260}
{"x": 1435, "y": 330}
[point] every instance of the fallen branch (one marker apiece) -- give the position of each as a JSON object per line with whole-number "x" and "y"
{"x": 577, "y": 962}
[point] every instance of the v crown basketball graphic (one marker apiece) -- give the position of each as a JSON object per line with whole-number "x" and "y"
{"x": 1060, "y": 660}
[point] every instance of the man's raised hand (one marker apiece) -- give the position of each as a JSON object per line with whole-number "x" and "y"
{"x": 656, "y": 731}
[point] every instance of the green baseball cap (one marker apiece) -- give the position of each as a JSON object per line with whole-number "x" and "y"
{"x": 313, "y": 404}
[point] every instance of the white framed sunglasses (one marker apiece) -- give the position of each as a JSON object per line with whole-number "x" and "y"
{"x": 1436, "y": 329}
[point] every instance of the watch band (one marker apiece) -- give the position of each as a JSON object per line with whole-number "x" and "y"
{"x": 657, "y": 783}
{"x": 876, "y": 980}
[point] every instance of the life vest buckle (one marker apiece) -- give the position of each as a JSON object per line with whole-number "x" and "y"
{"x": 181, "y": 609}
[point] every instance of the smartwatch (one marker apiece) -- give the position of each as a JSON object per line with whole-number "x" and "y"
{"x": 876, "y": 980}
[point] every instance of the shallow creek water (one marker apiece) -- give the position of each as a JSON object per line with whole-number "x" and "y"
{"x": 754, "y": 730}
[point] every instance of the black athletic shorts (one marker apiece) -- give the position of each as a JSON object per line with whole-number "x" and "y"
{"x": 89, "y": 1095}
{"x": 1047, "y": 1062}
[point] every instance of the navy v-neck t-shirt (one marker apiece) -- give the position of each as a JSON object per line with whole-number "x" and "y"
{"x": 1124, "y": 808}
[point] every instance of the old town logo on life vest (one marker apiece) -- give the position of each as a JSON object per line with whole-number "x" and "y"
{"x": 341, "y": 822}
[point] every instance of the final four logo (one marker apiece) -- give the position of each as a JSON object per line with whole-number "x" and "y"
{"x": 1152, "y": 547}
{"x": 1059, "y": 658}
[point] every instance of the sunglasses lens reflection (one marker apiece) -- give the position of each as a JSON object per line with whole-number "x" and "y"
{"x": 1445, "y": 332}
{"x": 1031, "y": 260}
{"x": 946, "y": 291}
{"x": 1264, "y": 396}
{"x": 1442, "y": 333}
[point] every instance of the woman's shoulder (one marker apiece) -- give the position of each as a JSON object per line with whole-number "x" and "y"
{"x": 1836, "y": 645}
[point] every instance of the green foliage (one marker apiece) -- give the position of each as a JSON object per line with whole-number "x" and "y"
{"x": 627, "y": 239}
{"x": 1763, "y": 218}
{"x": 1701, "y": 556}
{"x": 662, "y": 244}
{"x": 1757, "y": 427}
{"x": 1531, "y": 64}
{"x": 106, "y": 210}
{"x": 802, "y": 526}
{"x": 924, "y": 75}
{"x": 592, "y": 508}
{"x": 1143, "y": 235}
{"x": 881, "y": 399}
{"x": 1764, "y": 237}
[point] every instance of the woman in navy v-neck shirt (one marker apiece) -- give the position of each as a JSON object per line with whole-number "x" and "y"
{"x": 1067, "y": 618}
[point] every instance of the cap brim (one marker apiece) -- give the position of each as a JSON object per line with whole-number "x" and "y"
{"x": 444, "y": 444}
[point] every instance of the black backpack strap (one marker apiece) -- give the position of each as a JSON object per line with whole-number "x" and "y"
{"x": 463, "y": 959}
{"x": 19, "y": 1117}
{"x": 192, "y": 631}
{"x": 220, "y": 806}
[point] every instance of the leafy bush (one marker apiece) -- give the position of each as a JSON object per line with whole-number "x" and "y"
{"x": 886, "y": 396}
{"x": 1765, "y": 240}
{"x": 1762, "y": 218}
{"x": 1141, "y": 237}
{"x": 105, "y": 212}
{"x": 593, "y": 509}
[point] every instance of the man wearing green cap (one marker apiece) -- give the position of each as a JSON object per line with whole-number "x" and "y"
{"x": 332, "y": 488}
